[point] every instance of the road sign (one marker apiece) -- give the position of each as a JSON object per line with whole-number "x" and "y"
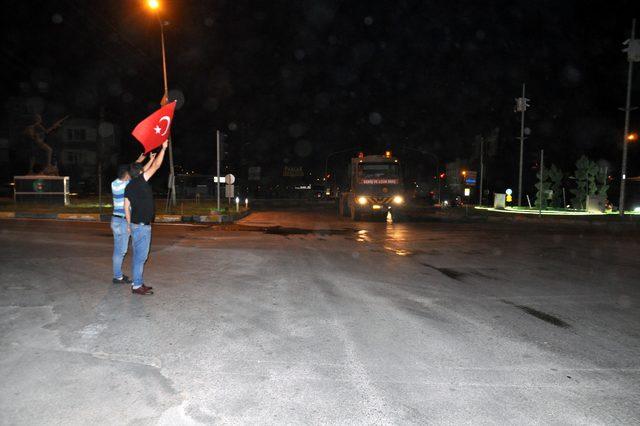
{"x": 509, "y": 191}
{"x": 471, "y": 178}
{"x": 228, "y": 191}
{"x": 229, "y": 179}
{"x": 291, "y": 171}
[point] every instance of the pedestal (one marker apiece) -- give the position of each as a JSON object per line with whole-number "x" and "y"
{"x": 41, "y": 189}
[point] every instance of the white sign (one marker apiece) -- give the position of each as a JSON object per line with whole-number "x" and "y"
{"x": 229, "y": 179}
{"x": 467, "y": 192}
{"x": 228, "y": 191}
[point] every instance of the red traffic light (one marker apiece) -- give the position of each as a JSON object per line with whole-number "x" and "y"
{"x": 442, "y": 175}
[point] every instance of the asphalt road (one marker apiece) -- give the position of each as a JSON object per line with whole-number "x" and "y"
{"x": 295, "y": 317}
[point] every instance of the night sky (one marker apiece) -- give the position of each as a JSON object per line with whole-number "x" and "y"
{"x": 291, "y": 81}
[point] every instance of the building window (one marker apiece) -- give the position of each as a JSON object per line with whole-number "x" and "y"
{"x": 73, "y": 157}
{"x": 76, "y": 135}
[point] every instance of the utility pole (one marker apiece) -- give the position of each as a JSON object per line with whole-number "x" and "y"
{"x": 99, "y": 158}
{"x": 481, "y": 169}
{"x": 633, "y": 55}
{"x": 218, "y": 168}
{"x": 521, "y": 107}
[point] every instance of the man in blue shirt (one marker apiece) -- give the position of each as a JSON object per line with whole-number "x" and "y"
{"x": 118, "y": 220}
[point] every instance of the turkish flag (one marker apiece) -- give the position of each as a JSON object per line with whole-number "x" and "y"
{"x": 155, "y": 129}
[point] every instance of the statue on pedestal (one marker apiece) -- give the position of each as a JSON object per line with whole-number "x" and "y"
{"x": 36, "y": 133}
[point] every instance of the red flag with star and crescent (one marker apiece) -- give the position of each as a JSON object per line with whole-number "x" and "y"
{"x": 155, "y": 129}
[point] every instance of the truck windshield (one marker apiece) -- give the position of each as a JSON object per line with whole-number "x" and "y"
{"x": 379, "y": 171}
{"x": 378, "y": 174}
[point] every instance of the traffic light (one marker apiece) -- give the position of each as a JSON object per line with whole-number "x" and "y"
{"x": 442, "y": 175}
{"x": 224, "y": 146}
{"x": 632, "y": 49}
{"x": 522, "y": 104}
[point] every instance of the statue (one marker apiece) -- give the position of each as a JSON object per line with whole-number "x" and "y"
{"x": 36, "y": 133}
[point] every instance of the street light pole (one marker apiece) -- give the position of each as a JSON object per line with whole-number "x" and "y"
{"x": 627, "y": 110}
{"x": 153, "y": 4}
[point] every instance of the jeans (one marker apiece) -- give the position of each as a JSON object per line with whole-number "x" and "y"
{"x": 120, "y": 244}
{"x": 141, "y": 236}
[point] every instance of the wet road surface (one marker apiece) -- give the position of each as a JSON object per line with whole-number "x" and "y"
{"x": 303, "y": 317}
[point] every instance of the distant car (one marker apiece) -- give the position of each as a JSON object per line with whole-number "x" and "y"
{"x": 318, "y": 191}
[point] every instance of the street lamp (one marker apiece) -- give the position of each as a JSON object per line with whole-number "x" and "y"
{"x": 632, "y": 137}
{"x": 155, "y": 6}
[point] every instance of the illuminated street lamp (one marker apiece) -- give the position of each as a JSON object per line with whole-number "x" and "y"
{"x": 632, "y": 137}
{"x": 155, "y": 6}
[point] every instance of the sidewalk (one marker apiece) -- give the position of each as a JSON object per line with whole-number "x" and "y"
{"x": 472, "y": 214}
{"x": 96, "y": 217}
{"x": 88, "y": 211}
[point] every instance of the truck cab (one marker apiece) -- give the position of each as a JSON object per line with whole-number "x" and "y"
{"x": 375, "y": 187}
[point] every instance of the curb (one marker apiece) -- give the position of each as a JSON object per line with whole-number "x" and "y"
{"x": 28, "y": 215}
{"x": 96, "y": 217}
{"x": 169, "y": 218}
{"x": 584, "y": 223}
{"x": 85, "y": 217}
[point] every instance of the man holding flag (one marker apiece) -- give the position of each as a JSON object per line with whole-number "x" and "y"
{"x": 118, "y": 222}
{"x": 139, "y": 206}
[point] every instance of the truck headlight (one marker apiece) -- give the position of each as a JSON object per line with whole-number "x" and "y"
{"x": 362, "y": 200}
{"x": 398, "y": 199}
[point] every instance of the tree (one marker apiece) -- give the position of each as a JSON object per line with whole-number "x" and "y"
{"x": 542, "y": 190}
{"x": 556, "y": 176}
{"x": 602, "y": 183}
{"x": 585, "y": 176}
